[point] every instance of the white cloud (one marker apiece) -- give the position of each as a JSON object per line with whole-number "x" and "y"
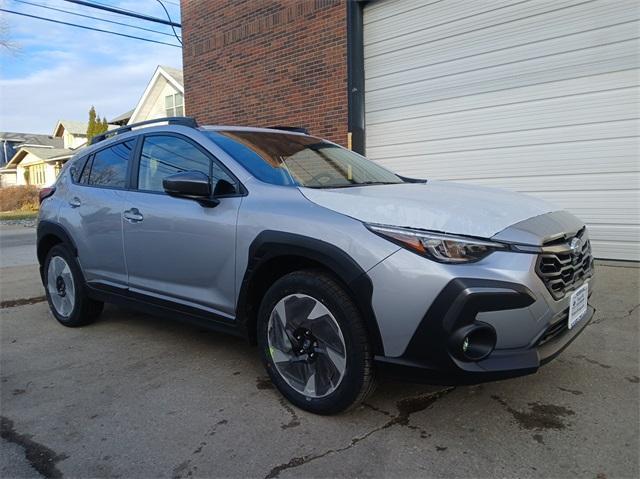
{"x": 62, "y": 71}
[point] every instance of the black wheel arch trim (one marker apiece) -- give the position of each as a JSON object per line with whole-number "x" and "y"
{"x": 271, "y": 244}
{"x": 47, "y": 228}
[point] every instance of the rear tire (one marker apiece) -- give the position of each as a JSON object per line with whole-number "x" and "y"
{"x": 314, "y": 344}
{"x": 66, "y": 291}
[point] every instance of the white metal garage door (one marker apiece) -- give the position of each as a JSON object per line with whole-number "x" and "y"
{"x": 538, "y": 96}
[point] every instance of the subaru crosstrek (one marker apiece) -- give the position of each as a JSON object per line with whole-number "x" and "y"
{"x": 336, "y": 267}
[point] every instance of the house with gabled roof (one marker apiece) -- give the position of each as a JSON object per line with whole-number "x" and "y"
{"x": 164, "y": 96}
{"x": 38, "y": 166}
{"x": 38, "y": 162}
{"x": 39, "y": 158}
{"x": 15, "y": 147}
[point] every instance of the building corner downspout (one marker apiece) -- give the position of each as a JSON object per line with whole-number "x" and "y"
{"x": 355, "y": 76}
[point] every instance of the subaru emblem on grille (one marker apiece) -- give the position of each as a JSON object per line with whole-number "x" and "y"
{"x": 576, "y": 245}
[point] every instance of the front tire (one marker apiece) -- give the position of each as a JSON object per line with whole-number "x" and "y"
{"x": 314, "y": 344}
{"x": 65, "y": 289}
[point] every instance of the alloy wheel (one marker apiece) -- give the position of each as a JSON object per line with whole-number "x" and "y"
{"x": 60, "y": 286}
{"x": 306, "y": 345}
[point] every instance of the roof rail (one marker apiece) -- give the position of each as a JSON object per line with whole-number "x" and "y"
{"x": 296, "y": 129}
{"x": 171, "y": 120}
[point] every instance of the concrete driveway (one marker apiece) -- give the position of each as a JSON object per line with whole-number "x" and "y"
{"x": 133, "y": 396}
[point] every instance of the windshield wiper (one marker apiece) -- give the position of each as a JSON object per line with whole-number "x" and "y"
{"x": 353, "y": 185}
{"x": 365, "y": 183}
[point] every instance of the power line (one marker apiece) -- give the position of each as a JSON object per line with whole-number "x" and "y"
{"x": 169, "y": 17}
{"x": 95, "y": 18}
{"x": 127, "y": 13}
{"x": 88, "y": 28}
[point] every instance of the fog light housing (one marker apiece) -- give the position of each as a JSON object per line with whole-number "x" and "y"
{"x": 473, "y": 342}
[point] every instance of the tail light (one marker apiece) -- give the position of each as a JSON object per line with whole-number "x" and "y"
{"x": 44, "y": 193}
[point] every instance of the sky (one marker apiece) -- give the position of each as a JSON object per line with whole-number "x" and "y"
{"x": 58, "y": 72}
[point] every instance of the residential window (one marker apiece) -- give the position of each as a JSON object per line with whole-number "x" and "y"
{"x": 109, "y": 167}
{"x": 174, "y": 104}
{"x": 165, "y": 155}
{"x": 36, "y": 174}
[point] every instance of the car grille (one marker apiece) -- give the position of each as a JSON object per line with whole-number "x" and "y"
{"x": 563, "y": 268}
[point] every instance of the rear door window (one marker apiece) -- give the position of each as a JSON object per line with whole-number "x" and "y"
{"x": 109, "y": 167}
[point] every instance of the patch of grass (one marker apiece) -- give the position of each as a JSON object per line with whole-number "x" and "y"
{"x": 18, "y": 215}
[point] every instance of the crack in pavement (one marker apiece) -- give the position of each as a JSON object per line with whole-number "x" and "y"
{"x": 12, "y": 303}
{"x": 606, "y": 318}
{"x": 40, "y": 457}
{"x": 186, "y": 467}
{"x": 592, "y": 361}
{"x": 406, "y": 407}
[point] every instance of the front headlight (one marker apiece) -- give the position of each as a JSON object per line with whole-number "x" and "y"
{"x": 437, "y": 246}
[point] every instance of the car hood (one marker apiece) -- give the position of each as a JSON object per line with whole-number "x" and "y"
{"x": 437, "y": 206}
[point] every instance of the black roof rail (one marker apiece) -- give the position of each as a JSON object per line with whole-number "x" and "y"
{"x": 296, "y": 129}
{"x": 171, "y": 120}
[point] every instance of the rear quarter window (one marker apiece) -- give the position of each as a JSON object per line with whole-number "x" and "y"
{"x": 76, "y": 168}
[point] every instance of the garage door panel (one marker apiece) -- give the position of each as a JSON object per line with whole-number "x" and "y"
{"x": 539, "y": 97}
{"x": 580, "y": 183}
{"x": 613, "y": 233}
{"x": 604, "y": 156}
{"x": 394, "y": 153}
{"x": 599, "y": 207}
{"x": 451, "y": 81}
{"x": 501, "y": 39}
{"x": 377, "y": 11}
{"x": 438, "y": 103}
{"x": 558, "y": 112}
{"x": 625, "y": 251}
{"x": 440, "y": 16}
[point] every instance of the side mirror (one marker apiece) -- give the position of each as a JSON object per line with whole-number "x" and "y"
{"x": 223, "y": 187}
{"x": 194, "y": 185}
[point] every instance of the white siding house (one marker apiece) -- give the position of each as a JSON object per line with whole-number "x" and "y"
{"x": 164, "y": 96}
{"x": 73, "y": 133}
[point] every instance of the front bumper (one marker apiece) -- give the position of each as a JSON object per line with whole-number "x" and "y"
{"x": 425, "y": 310}
{"x": 501, "y": 364}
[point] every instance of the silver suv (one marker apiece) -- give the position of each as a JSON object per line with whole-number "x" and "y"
{"x": 338, "y": 269}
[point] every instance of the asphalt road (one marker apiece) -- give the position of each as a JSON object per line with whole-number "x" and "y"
{"x": 133, "y": 396}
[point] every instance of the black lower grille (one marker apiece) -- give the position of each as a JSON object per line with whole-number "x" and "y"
{"x": 564, "y": 267}
{"x": 558, "y": 326}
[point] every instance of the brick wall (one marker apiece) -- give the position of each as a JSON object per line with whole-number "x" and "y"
{"x": 267, "y": 62}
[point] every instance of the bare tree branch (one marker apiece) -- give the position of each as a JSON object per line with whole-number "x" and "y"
{"x": 6, "y": 44}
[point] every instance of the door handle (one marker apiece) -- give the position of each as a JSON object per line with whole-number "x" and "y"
{"x": 75, "y": 202}
{"x": 133, "y": 215}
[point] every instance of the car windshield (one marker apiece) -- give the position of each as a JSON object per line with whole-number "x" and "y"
{"x": 297, "y": 160}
